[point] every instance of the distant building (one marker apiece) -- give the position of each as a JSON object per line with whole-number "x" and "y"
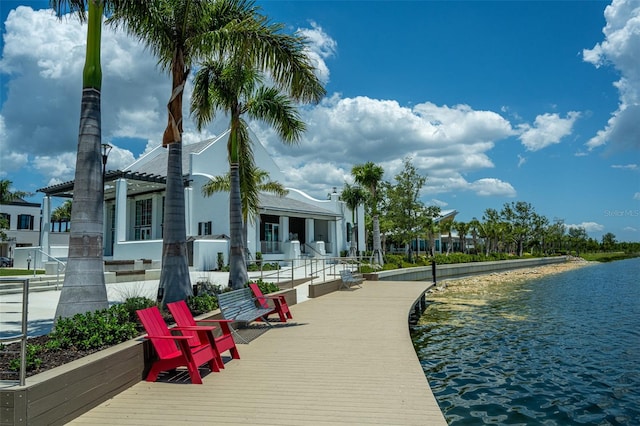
{"x": 24, "y": 226}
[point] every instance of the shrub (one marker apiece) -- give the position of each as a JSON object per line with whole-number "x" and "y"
{"x": 33, "y": 361}
{"x": 135, "y": 303}
{"x": 94, "y": 330}
{"x": 266, "y": 287}
{"x": 202, "y": 303}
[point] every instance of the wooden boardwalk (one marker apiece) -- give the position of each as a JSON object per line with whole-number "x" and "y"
{"x": 346, "y": 358}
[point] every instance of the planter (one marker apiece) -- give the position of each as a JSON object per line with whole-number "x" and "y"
{"x": 61, "y": 394}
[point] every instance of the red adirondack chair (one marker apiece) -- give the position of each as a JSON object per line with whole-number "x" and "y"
{"x": 222, "y": 343}
{"x": 174, "y": 351}
{"x": 280, "y": 306}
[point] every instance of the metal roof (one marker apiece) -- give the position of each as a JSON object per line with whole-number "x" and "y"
{"x": 272, "y": 204}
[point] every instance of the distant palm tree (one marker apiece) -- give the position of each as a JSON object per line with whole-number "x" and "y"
{"x": 236, "y": 85}
{"x": 62, "y": 214}
{"x": 370, "y": 175}
{"x": 353, "y": 196}
{"x": 7, "y": 195}
{"x": 463, "y": 229}
{"x": 445, "y": 227}
{"x": 251, "y": 184}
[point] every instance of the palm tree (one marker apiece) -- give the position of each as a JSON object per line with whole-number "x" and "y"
{"x": 370, "y": 175}
{"x": 62, "y": 214}
{"x": 463, "y": 229}
{"x": 251, "y": 184}
{"x": 181, "y": 33}
{"x": 84, "y": 288}
{"x": 445, "y": 227}
{"x": 236, "y": 85}
{"x": 7, "y": 195}
{"x": 353, "y": 196}
{"x": 474, "y": 226}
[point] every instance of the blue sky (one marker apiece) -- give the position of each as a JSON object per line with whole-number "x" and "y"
{"x": 494, "y": 101}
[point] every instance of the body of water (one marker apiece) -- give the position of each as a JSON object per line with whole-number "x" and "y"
{"x": 559, "y": 350}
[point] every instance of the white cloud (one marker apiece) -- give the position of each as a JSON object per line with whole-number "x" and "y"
{"x": 630, "y": 229}
{"x": 625, "y": 166}
{"x": 444, "y": 142}
{"x": 588, "y": 226}
{"x": 547, "y": 129}
{"x": 636, "y": 196}
{"x": 493, "y": 187}
{"x": 521, "y": 160}
{"x": 320, "y": 47}
{"x": 621, "y": 49}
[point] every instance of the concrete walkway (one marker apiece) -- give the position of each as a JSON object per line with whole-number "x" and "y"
{"x": 346, "y": 358}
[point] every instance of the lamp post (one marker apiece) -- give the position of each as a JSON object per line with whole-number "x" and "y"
{"x": 106, "y": 149}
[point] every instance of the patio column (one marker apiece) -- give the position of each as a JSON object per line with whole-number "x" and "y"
{"x": 121, "y": 212}
{"x": 188, "y": 212}
{"x": 310, "y": 230}
{"x": 284, "y": 228}
{"x": 45, "y": 225}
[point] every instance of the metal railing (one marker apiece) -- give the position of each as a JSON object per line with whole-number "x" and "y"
{"x": 61, "y": 266}
{"x": 22, "y": 337}
{"x": 289, "y": 269}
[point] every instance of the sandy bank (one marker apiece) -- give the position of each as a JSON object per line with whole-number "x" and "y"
{"x": 480, "y": 283}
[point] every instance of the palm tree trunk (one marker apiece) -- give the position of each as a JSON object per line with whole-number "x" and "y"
{"x": 238, "y": 276}
{"x": 377, "y": 244}
{"x": 84, "y": 288}
{"x": 175, "y": 283}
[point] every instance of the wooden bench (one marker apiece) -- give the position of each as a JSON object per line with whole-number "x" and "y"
{"x": 348, "y": 279}
{"x": 240, "y": 306}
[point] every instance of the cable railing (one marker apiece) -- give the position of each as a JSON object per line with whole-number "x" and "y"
{"x": 22, "y": 337}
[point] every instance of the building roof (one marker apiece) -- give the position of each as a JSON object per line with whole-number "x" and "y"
{"x": 272, "y": 204}
{"x": 155, "y": 161}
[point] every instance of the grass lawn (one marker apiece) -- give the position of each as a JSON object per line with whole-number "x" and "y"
{"x": 11, "y": 272}
{"x": 607, "y": 257}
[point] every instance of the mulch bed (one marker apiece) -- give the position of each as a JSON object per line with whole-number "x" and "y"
{"x": 50, "y": 359}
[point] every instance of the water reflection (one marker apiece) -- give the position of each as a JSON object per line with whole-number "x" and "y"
{"x": 558, "y": 350}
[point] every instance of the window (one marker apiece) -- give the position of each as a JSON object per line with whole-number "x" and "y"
{"x": 142, "y": 228}
{"x": 25, "y": 221}
{"x": 204, "y": 228}
{"x": 349, "y": 230}
{"x": 6, "y": 220}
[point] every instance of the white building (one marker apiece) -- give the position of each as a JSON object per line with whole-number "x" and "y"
{"x": 24, "y": 226}
{"x": 287, "y": 228}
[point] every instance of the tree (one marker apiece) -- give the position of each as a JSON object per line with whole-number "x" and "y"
{"x": 251, "y": 185}
{"x": 235, "y": 84}
{"x": 182, "y": 33}
{"x": 84, "y": 288}
{"x": 369, "y": 175}
{"x": 353, "y": 196}
{"x": 62, "y": 214}
{"x": 463, "y": 229}
{"x": 404, "y": 207}
{"x": 445, "y": 228}
{"x": 577, "y": 238}
{"x": 474, "y": 226}
{"x": 608, "y": 241}
{"x": 7, "y": 195}
{"x": 521, "y": 217}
